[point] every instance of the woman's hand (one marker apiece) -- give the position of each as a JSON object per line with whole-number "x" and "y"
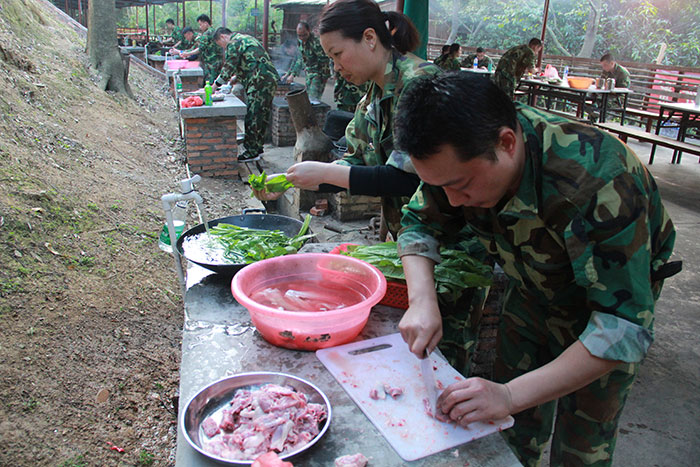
{"x": 475, "y": 400}
{"x": 307, "y": 175}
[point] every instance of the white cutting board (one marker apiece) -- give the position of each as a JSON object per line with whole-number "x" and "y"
{"x": 403, "y": 421}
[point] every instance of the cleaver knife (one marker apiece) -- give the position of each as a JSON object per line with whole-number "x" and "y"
{"x": 428, "y": 373}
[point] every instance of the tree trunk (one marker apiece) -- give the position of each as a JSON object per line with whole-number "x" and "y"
{"x": 454, "y": 28}
{"x": 103, "y": 49}
{"x": 591, "y": 29}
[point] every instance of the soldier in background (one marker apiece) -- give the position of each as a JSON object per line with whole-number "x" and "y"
{"x": 577, "y": 224}
{"x": 174, "y": 32}
{"x": 444, "y": 55}
{"x": 186, "y": 43}
{"x": 612, "y": 69}
{"x": 248, "y": 61}
{"x": 313, "y": 59}
{"x": 210, "y": 54}
{"x": 516, "y": 61}
{"x": 483, "y": 60}
{"x": 450, "y": 61}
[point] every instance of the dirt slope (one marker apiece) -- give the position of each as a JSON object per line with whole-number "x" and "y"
{"x": 88, "y": 304}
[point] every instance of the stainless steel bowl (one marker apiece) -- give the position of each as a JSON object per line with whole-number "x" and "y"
{"x": 218, "y": 394}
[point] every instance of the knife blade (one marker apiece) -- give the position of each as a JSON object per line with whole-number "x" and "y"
{"x": 428, "y": 373}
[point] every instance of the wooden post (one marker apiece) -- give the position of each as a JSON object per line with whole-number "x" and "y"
{"x": 211, "y": 10}
{"x": 177, "y": 14}
{"x": 155, "y": 27}
{"x": 137, "y": 19}
{"x": 184, "y": 20}
{"x": 255, "y": 24}
{"x": 148, "y": 32}
{"x": 545, "y": 14}
{"x": 399, "y": 6}
{"x": 80, "y": 12}
{"x": 266, "y": 20}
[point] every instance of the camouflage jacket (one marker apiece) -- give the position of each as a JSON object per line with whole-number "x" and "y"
{"x": 176, "y": 35}
{"x": 346, "y": 94}
{"x": 468, "y": 61}
{"x": 187, "y": 45}
{"x": 440, "y": 61}
{"x": 621, "y": 75}
{"x": 210, "y": 54}
{"x": 581, "y": 236}
{"x": 312, "y": 57}
{"x": 515, "y": 61}
{"x": 450, "y": 64}
{"x": 248, "y": 60}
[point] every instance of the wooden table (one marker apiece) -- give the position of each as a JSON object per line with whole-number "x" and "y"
{"x": 538, "y": 87}
{"x": 690, "y": 116}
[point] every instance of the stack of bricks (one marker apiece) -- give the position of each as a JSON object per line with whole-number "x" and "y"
{"x": 349, "y": 208}
{"x": 211, "y": 146}
{"x": 485, "y": 353}
{"x": 283, "y": 133}
{"x": 319, "y": 208}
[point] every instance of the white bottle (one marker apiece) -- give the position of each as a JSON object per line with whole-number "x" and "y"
{"x": 179, "y": 218}
{"x": 476, "y": 63}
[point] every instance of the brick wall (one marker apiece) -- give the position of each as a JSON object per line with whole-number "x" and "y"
{"x": 347, "y": 208}
{"x": 211, "y": 146}
{"x": 189, "y": 84}
{"x": 281, "y": 125}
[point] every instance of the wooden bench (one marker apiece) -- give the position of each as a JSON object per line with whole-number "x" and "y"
{"x": 629, "y": 131}
{"x": 568, "y": 115}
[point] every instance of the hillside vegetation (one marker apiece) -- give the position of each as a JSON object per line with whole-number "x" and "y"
{"x": 90, "y": 309}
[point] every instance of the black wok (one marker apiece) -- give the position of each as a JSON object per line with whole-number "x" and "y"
{"x": 289, "y": 226}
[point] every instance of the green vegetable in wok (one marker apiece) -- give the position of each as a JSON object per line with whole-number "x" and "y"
{"x": 457, "y": 271}
{"x": 271, "y": 185}
{"x": 244, "y": 245}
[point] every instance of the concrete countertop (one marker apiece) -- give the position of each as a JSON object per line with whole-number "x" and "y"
{"x": 231, "y": 106}
{"x": 196, "y": 71}
{"x": 219, "y": 340}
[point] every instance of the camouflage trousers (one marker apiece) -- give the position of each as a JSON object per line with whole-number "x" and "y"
{"x": 585, "y": 431}
{"x": 259, "y": 94}
{"x": 315, "y": 84}
{"x": 346, "y": 95}
{"x": 506, "y": 82}
{"x": 210, "y": 74}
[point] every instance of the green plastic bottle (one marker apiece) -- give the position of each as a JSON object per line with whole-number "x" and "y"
{"x": 207, "y": 94}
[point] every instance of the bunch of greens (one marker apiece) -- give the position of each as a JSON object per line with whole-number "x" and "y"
{"x": 457, "y": 271}
{"x": 271, "y": 185}
{"x": 244, "y": 245}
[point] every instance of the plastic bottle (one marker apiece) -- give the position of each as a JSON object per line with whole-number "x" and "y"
{"x": 178, "y": 82}
{"x": 566, "y": 73}
{"x": 207, "y": 94}
{"x": 179, "y": 218}
{"x": 476, "y": 63}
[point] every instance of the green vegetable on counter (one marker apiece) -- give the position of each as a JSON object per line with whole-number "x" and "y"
{"x": 244, "y": 245}
{"x": 457, "y": 271}
{"x": 271, "y": 185}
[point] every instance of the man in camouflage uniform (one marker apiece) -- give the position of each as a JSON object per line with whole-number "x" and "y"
{"x": 450, "y": 61}
{"x": 611, "y": 69}
{"x": 210, "y": 54}
{"x": 314, "y": 60}
{"x": 346, "y": 95}
{"x": 247, "y": 60}
{"x": 516, "y": 61}
{"x": 444, "y": 55}
{"x": 187, "y": 42}
{"x": 483, "y": 60}
{"x": 577, "y": 223}
{"x": 174, "y": 32}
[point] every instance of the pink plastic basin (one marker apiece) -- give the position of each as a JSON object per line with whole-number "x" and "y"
{"x": 179, "y": 64}
{"x": 310, "y": 330}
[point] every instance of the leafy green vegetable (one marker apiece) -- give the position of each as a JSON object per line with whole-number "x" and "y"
{"x": 457, "y": 271}
{"x": 244, "y": 245}
{"x": 271, "y": 185}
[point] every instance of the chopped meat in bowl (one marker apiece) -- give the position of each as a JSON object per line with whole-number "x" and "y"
{"x": 238, "y": 418}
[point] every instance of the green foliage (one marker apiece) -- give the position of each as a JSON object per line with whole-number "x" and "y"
{"x": 271, "y": 185}
{"x": 77, "y": 461}
{"x": 633, "y": 30}
{"x": 146, "y": 458}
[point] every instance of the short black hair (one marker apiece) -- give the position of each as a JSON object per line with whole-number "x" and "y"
{"x": 479, "y": 50}
{"x": 170, "y": 21}
{"x": 204, "y": 18}
{"x": 607, "y": 58}
{"x": 455, "y": 47}
{"x": 445, "y": 48}
{"x": 219, "y": 32}
{"x": 534, "y": 42}
{"x": 305, "y": 25}
{"x": 187, "y": 29}
{"x": 461, "y": 109}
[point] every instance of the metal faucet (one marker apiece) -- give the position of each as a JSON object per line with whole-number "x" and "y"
{"x": 169, "y": 200}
